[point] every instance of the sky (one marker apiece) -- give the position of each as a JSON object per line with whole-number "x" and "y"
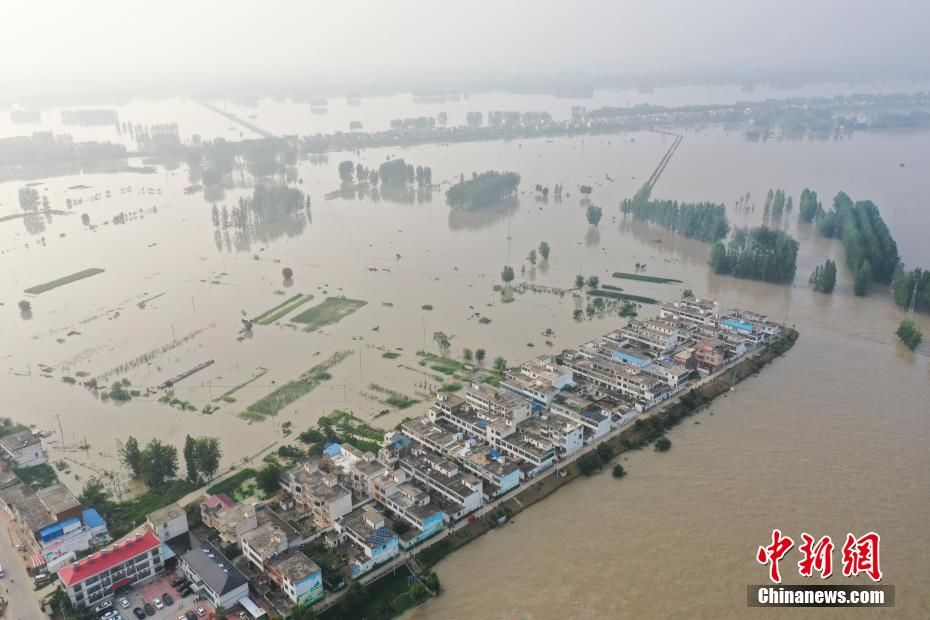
{"x": 169, "y": 46}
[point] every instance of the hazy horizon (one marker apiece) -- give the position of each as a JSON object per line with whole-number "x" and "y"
{"x": 105, "y": 49}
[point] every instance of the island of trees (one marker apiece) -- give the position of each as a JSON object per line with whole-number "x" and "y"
{"x": 482, "y": 190}
{"x": 698, "y": 220}
{"x": 760, "y": 253}
{"x": 824, "y": 277}
{"x": 909, "y": 333}
{"x": 809, "y": 207}
{"x": 871, "y": 253}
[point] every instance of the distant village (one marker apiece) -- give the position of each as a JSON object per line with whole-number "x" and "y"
{"x": 370, "y": 510}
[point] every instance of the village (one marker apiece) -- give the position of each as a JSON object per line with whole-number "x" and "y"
{"x": 344, "y": 515}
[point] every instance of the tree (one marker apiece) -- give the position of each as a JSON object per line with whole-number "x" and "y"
{"x": 687, "y": 293}
{"x": 346, "y": 169}
{"x": 467, "y": 354}
{"x": 531, "y": 257}
{"x": 507, "y": 274}
{"x": 593, "y": 281}
{"x": 618, "y": 471}
{"x": 131, "y": 456}
{"x": 442, "y": 341}
{"x": 594, "y": 215}
{"x": 663, "y": 444}
{"x": 702, "y": 220}
{"x": 479, "y": 355}
{"x": 500, "y": 364}
{"x": 190, "y": 459}
{"x": 355, "y": 598}
{"x": 159, "y": 463}
{"x": 482, "y": 190}
{"x": 269, "y": 478}
{"x": 910, "y": 333}
{"x": 25, "y": 306}
{"x": 862, "y": 278}
{"x": 579, "y": 281}
{"x": 303, "y": 612}
{"x": 288, "y": 273}
{"x": 824, "y": 277}
{"x": 94, "y": 494}
{"x": 544, "y": 250}
{"x": 208, "y": 454}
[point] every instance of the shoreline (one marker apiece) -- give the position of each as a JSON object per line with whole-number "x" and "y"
{"x": 640, "y": 433}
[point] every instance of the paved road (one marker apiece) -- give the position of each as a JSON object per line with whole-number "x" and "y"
{"x": 17, "y": 584}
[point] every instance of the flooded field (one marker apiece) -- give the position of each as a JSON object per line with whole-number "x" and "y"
{"x": 844, "y": 415}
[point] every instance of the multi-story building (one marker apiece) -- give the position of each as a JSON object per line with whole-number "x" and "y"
{"x": 317, "y": 492}
{"x": 443, "y": 477}
{"x": 539, "y": 379}
{"x": 710, "y": 354}
{"x": 297, "y": 576}
{"x": 229, "y": 519}
{"x": 72, "y": 535}
{"x": 609, "y": 375}
{"x": 397, "y": 493}
{"x": 167, "y": 523}
{"x": 657, "y": 335}
{"x": 566, "y": 434}
{"x": 23, "y": 449}
{"x": 131, "y": 561}
{"x": 212, "y": 575}
{"x": 595, "y": 423}
{"x": 371, "y": 532}
{"x": 263, "y": 543}
{"x": 691, "y": 311}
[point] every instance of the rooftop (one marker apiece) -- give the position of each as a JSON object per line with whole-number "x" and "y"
{"x": 20, "y": 440}
{"x": 168, "y": 513}
{"x": 265, "y": 539}
{"x": 57, "y": 499}
{"x": 108, "y": 558}
{"x": 216, "y": 571}
{"x": 295, "y": 566}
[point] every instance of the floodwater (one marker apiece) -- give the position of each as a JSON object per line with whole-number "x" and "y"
{"x": 830, "y": 439}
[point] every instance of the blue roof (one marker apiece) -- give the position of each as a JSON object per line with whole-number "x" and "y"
{"x": 739, "y": 324}
{"x": 333, "y": 449}
{"x": 494, "y": 454}
{"x": 537, "y": 406}
{"x": 92, "y": 518}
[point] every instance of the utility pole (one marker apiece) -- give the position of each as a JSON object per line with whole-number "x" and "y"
{"x": 60, "y": 430}
{"x": 914, "y": 294}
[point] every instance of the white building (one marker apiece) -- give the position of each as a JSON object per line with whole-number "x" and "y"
{"x": 213, "y": 576}
{"x": 317, "y": 492}
{"x": 23, "y": 449}
{"x": 167, "y": 523}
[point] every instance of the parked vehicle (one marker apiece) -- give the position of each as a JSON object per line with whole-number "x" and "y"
{"x": 124, "y": 603}
{"x": 177, "y": 582}
{"x": 102, "y": 607}
{"x": 149, "y": 610}
{"x": 158, "y": 604}
{"x": 166, "y": 598}
{"x": 190, "y": 615}
{"x": 201, "y": 611}
{"x": 138, "y": 612}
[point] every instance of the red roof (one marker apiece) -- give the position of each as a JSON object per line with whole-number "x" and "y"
{"x": 108, "y": 558}
{"x": 220, "y": 499}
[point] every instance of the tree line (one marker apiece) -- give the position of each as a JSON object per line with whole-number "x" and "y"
{"x": 705, "y": 221}
{"x": 482, "y": 190}
{"x": 760, "y": 253}
{"x": 871, "y": 252}
{"x": 157, "y": 462}
{"x": 824, "y": 277}
{"x": 392, "y": 172}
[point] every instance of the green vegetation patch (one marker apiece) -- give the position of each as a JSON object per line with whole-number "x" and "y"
{"x": 74, "y": 277}
{"x": 38, "y": 476}
{"x": 390, "y": 355}
{"x": 625, "y": 296}
{"x": 332, "y": 310}
{"x": 281, "y": 310}
{"x": 284, "y": 395}
{"x": 644, "y": 278}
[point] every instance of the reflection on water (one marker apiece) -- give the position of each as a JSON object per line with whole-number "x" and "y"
{"x": 478, "y": 219}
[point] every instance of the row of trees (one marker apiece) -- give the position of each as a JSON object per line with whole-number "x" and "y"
{"x": 482, "y": 190}
{"x": 202, "y": 458}
{"x": 775, "y": 203}
{"x": 824, "y": 277}
{"x": 809, "y": 207}
{"x": 699, "y": 220}
{"x": 157, "y": 462}
{"x": 871, "y": 252}
{"x": 904, "y": 284}
{"x": 392, "y": 172}
{"x": 760, "y": 253}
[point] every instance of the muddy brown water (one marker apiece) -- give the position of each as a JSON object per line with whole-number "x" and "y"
{"x": 830, "y": 439}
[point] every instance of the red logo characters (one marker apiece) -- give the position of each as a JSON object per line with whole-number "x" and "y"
{"x": 860, "y": 555}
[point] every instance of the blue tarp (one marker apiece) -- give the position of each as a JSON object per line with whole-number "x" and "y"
{"x": 92, "y": 518}
{"x": 742, "y": 326}
{"x": 333, "y": 449}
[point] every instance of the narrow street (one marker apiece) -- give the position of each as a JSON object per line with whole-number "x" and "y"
{"x": 17, "y": 584}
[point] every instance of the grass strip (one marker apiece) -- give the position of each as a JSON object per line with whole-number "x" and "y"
{"x": 74, "y": 277}
{"x": 641, "y": 278}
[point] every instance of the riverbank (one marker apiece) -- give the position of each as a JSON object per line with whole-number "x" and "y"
{"x": 640, "y": 434}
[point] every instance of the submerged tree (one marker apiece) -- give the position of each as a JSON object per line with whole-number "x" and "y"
{"x": 910, "y": 333}
{"x": 544, "y": 250}
{"x": 288, "y": 273}
{"x": 594, "y": 215}
{"x": 824, "y": 277}
{"x": 507, "y": 274}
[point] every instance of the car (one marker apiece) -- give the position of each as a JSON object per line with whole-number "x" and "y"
{"x": 176, "y": 582}
{"x": 102, "y": 607}
{"x": 149, "y": 610}
{"x": 138, "y": 612}
{"x": 111, "y": 615}
{"x": 124, "y": 603}
{"x": 158, "y": 604}
{"x": 166, "y": 598}
{"x": 201, "y": 611}
{"x": 190, "y": 615}
{"x": 244, "y": 615}
{"x": 184, "y": 592}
